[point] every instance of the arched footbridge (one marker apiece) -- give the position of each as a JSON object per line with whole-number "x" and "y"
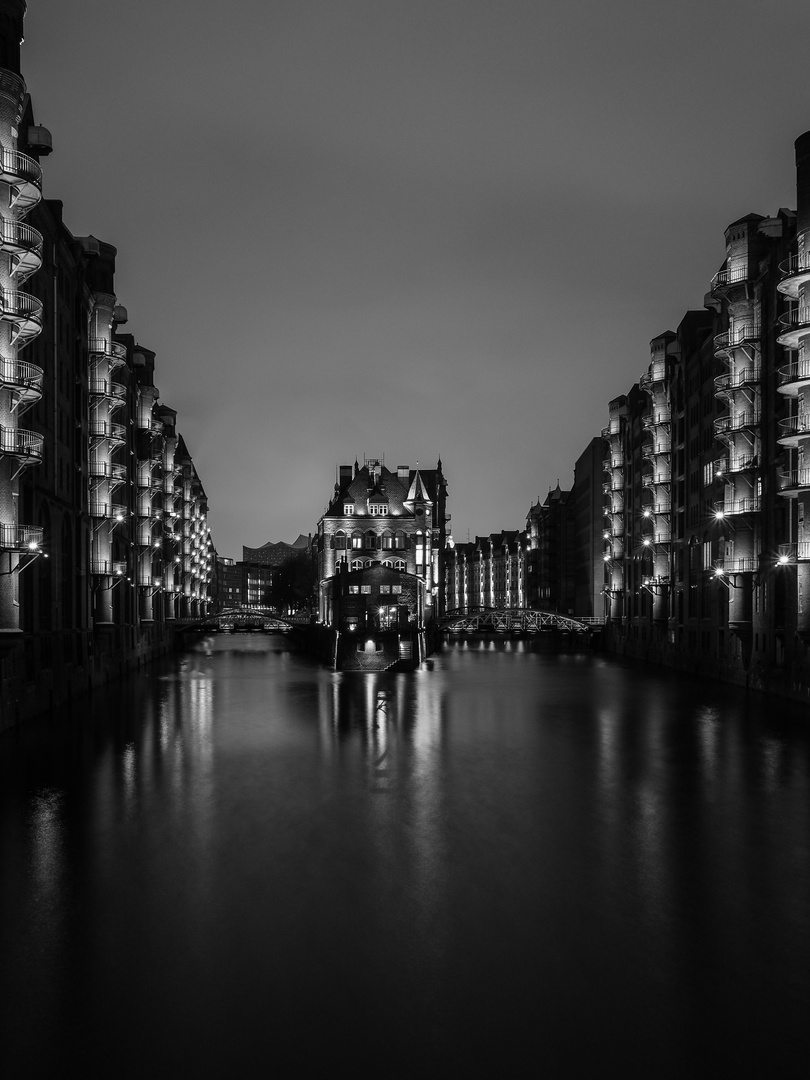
{"x": 243, "y": 619}
{"x": 515, "y": 621}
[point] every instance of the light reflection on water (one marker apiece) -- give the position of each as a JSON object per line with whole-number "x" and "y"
{"x": 508, "y": 849}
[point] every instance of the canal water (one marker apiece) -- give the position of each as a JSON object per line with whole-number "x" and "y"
{"x": 510, "y": 862}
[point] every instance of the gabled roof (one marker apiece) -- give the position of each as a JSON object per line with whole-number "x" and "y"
{"x": 417, "y": 489}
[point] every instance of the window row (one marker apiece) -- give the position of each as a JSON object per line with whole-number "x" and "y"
{"x": 375, "y": 509}
{"x": 371, "y": 541}
{"x": 363, "y": 564}
{"x": 366, "y": 589}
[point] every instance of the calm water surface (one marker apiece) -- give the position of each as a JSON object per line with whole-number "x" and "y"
{"x": 508, "y": 863}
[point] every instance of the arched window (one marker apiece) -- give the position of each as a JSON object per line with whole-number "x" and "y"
{"x": 340, "y": 540}
{"x": 399, "y": 564}
{"x": 371, "y": 540}
{"x": 357, "y": 540}
{"x": 357, "y": 564}
{"x": 420, "y": 548}
{"x": 400, "y": 542}
{"x": 387, "y": 540}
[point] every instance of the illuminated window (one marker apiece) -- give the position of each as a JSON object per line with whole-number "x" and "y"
{"x": 357, "y": 564}
{"x": 398, "y": 565}
{"x": 387, "y": 541}
{"x": 378, "y": 508}
{"x": 365, "y": 589}
{"x": 396, "y": 588}
{"x": 354, "y": 589}
{"x": 399, "y": 540}
{"x": 348, "y": 509}
{"x": 357, "y": 540}
{"x": 340, "y": 540}
{"x": 420, "y": 549}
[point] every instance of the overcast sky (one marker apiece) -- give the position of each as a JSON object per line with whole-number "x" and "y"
{"x": 409, "y": 228}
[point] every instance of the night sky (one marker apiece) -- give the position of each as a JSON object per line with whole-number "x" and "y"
{"x": 409, "y": 228}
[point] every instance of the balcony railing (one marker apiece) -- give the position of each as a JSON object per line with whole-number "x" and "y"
{"x": 113, "y": 351}
{"x": 657, "y": 372}
{"x": 795, "y": 271}
{"x": 803, "y": 549}
{"x": 740, "y": 463}
{"x": 24, "y": 244}
{"x": 20, "y": 537}
{"x": 104, "y": 429}
{"x": 16, "y": 442}
{"x": 738, "y": 422}
{"x": 794, "y": 479}
{"x": 793, "y": 375}
{"x": 794, "y": 326}
{"x": 151, "y": 424}
{"x": 739, "y": 506}
{"x": 733, "y": 380}
{"x": 24, "y": 175}
{"x": 22, "y": 378}
{"x": 658, "y": 536}
{"x": 657, "y": 417}
{"x": 794, "y": 427}
{"x": 108, "y": 567}
{"x": 108, "y": 470}
{"x": 111, "y": 511}
{"x": 746, "y": 565}
{"x": 651, "y": 448}
{"x": 723, "y": 279}
{"x": 653, "y": 479}
{"x": 741, "y": 332}
{"x": 23, "y": 311}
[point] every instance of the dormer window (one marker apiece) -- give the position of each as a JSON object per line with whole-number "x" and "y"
{"x": 348, "y": 509}
{"x": 378, "y": 508}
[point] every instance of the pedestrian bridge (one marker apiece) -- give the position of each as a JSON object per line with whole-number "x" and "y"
{"x": 515, "y": 621}
{"x": 243, "y": 619}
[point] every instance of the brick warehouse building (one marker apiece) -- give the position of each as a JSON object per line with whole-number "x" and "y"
{"x": 707, "y": 493}
{"x": 104, "y": 539}
{"x": 396, "y": 518}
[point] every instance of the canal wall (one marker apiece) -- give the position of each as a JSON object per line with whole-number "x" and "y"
{"x": 737, "y": 665}
{"x": 43, "y": 674}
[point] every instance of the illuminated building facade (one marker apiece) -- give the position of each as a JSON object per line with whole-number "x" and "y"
{"x": 104, "y": 540}
{"x": 706, "y": 560}
{"x": 397, "y": 519}
{"x": 21, "y": 145}
{"x": 487, "y": 572}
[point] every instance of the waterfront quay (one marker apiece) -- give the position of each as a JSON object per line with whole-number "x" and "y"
{"x": 510, "y": 861}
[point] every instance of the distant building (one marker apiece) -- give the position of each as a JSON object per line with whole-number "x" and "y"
{"x": 550, "y": 560}
{"x": 487, "y": 572}
{"x": 274, "y": 554}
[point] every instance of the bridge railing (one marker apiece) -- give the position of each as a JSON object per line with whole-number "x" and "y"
{"x": 504, "y": 620}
